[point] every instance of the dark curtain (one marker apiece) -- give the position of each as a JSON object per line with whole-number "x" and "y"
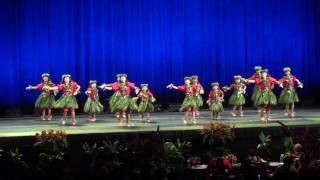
{"x": 155, "y": 42}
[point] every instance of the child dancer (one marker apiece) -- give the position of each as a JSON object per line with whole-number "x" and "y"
{"x": 125, "y": 104}
{"x": 215, "y": 100}
{"x": 146, "y": 100}
{"x": 189, "y": 104}
{"x": 199, "y": 92}
{"x": 114, "y": 96}
{"x": 46, "y": 99}
{"x": 256, "y": 90}
{"x": 92, "y": 105}
{"x": 288, "y": 95}
{"x": 237, "y": 99}
{"x": 67, "y": 101}
{"x": 266, "y": 99}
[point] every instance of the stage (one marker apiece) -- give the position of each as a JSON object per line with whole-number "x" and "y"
{"x": 167, "y": 121}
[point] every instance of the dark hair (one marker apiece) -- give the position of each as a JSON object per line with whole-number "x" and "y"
{"x": 62, "y": 80}
{"x": 126, "y": 80}
{"x": 146, "y": 90}
{"x": 49, "y": 80}
{"x": 89, "y": 85}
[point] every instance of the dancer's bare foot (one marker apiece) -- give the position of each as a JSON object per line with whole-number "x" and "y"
{"x": 92, "y": 120}
{"x": 262, "y": 118}
{"x": 185, "y": 121}
{"x": 74, "y": 122}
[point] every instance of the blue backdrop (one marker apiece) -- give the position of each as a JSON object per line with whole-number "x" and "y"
{"x": 155, "y": 42}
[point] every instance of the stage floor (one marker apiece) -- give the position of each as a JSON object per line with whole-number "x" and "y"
{"x": 168, "y": 121}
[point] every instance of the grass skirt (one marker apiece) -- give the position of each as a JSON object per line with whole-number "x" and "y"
{"x": 188, "y": 102}
{"x": 66, "y": 101}
{"x": 93, "y": 106}
{"x": 145, "y": 106}
{"x": 123, "y": 103}
{"x": 267, "y": 98}
{"x": 113, "y": 99}
{"x": 44, "y": 101}
{"x": 255, "y": 94}
{"x": 199, "y": 101}
{"x": 288, "y": 96}
{"x": 215, "y": 106}
{"x": 237, "y": 99}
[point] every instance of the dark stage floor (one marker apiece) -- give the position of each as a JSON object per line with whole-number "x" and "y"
{"x": 168, "y": 121}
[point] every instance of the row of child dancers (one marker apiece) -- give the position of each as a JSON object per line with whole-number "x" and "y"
{"x": 122, "y": 104}
{"x": 262, "y": 97}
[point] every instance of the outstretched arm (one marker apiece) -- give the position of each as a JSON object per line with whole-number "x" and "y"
{"x": 105, "y": 86}
{"x": 175, "y": 87}
{"x": 227, "y": 88}
{"x": 249, "y": 81}
{"x": 172, "y": 86}
{"x": 31, "y": 87}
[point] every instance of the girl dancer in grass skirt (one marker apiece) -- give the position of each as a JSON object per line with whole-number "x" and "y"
{"x": 266, "y": 99}
{"x": 92, "y": 105}
{"x": 146, "y": 100}
{"x": 114, "y": 96}
{"x": 215, "y": 100}
{"x": 189, "y": 105}
{"x": 199, "y": 92}
{"x": 289, "y": 95}
{"x": 67, "y": 101}
{"x": 237, "y": 99}
{"x": 46, "y": 99}
{"x": 124, "y": 104}
{"x": 256, "y": 89}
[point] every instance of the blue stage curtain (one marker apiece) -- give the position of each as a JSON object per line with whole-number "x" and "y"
{"x": 155, "y": 42}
